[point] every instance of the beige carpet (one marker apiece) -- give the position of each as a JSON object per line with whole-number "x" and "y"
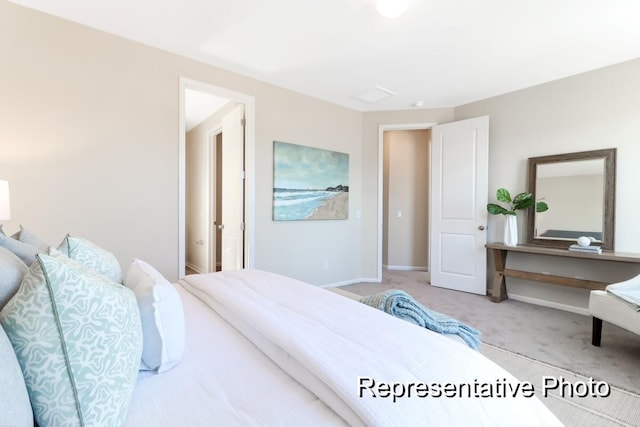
{"x": 530, "y": 340}
{"x": 619, "y": 408}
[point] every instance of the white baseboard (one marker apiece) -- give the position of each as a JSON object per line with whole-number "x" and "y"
{"x": 350, "y": 282}
{"x": 404, "y": 268}
{"x": 195, "y": 268}
{"x": 516, "y": 297}
{"x": 551, "y": 304}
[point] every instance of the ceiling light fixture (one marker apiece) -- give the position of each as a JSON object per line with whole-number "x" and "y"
{"x": 392, "y": 8}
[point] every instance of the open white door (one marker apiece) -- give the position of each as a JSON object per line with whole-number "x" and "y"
{"x": 459, "y": 171}
{"x": 233, "y": 190}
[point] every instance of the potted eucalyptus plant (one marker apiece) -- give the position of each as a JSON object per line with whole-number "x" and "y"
{"x": 520, "y": 202}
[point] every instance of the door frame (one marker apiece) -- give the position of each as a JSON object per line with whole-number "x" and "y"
{"x": 250, "y": 167}
{"x": 212, "y": 142}
{"x": 381, "y": 130}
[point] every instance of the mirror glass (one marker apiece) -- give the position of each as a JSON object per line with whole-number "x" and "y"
{"x": 579, "y": 189}
{"x": 575, "y": 191}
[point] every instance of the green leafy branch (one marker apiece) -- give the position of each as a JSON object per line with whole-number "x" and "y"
{"x": 519, "y": 202}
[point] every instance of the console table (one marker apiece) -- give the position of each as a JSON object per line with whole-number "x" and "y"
{"x": 500, "y": 251}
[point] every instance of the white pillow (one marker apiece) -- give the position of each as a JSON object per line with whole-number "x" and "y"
{"x": 161, "y": 314}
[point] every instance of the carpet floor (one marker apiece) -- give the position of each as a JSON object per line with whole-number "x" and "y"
{"x": 548, "y": 339}
{"x": 569, "y": 403}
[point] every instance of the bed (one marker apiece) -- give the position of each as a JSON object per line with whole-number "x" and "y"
{"x": 571, "y": 235}
{"x": 263, "y": 349}
{"x": 246, "y": 348}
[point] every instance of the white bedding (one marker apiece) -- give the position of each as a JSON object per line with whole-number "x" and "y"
{"x": 222, "y": 380}
{"x": 324, "y": 341}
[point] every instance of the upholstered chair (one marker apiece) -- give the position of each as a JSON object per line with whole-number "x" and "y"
{"x": 618, "y": 304}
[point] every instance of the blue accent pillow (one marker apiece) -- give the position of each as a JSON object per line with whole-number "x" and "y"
{"x": 12, "y": 271}
{"x": 24, "y": 251}
{"x": 26, "y": 236}
{"x": 15, "y": 408}
{"x": 92, "y": 256}
{"x": 78, "y": 339}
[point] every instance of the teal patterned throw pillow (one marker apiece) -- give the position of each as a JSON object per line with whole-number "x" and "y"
{"x": 92, "y": 256}
{"x": 78, "y": 339}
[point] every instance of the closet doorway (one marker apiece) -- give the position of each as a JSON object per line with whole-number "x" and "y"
{"x": 406, "y": 199}
{"x": 458, "y": 170}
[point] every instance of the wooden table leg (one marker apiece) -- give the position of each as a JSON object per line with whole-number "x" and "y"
{"x": 499, "y": 290}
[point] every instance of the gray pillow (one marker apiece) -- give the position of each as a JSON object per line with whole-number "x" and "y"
{"x": 26, "y": 236}
{"x": 15, "y": 408}
{"x": 24, "y": 251}
{"x": 12, "y": 270}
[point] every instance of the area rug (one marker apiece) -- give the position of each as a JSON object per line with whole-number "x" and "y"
{"x": 576, "y": 399}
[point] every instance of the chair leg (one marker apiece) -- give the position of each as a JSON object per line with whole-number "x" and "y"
{"x": 597, "y": 332}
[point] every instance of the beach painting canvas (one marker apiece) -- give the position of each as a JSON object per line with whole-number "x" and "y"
{"x": 309, "y": 183}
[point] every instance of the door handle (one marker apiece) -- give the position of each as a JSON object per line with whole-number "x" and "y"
{"x": 481, "y": 227}
{"x": 221, "y": 227}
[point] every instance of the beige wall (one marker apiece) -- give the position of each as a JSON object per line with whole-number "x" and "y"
{"x": 567, "y": 195}
{"x": 300, "y": 248}
{"x": 88, "y": 136}
{"x": 406, "y": 231}
{"x": 595, "y": 110}
{"x": 89, "y": 142}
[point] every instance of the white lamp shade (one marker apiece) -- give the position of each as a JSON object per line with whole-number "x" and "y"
{"x": 392, "y": 8}
{"x": 5, "y": 206}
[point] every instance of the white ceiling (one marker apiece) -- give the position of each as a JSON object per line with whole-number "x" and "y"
{"x": 441, "y": 52}
{"x": 199, "y": 106}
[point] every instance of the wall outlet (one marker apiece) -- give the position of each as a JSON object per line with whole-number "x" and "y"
{"x": 325, "y": 264}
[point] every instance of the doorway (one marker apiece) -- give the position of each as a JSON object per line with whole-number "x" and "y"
{"x": 406, "y": 199}
{"x": 457, "y": 204}
{"x": 202, "y": 237}
{"x": 383, "y": 209}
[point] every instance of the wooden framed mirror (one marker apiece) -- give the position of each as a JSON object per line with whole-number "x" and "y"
{"x": 580, "y": 191}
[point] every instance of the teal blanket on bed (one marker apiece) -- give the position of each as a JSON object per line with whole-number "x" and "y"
{"x": 402, "y": 305}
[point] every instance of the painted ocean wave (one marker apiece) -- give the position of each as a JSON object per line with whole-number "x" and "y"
{"x": 298, "y": 204}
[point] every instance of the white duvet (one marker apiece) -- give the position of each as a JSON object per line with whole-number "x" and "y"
{"x": 328, "y": 343}
{"x": 223, "y": 380}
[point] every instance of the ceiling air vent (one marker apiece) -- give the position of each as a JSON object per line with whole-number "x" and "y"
{"x": 375, "y": 95}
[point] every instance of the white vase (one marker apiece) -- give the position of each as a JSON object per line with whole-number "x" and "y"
{"x": 510, "y": 237}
